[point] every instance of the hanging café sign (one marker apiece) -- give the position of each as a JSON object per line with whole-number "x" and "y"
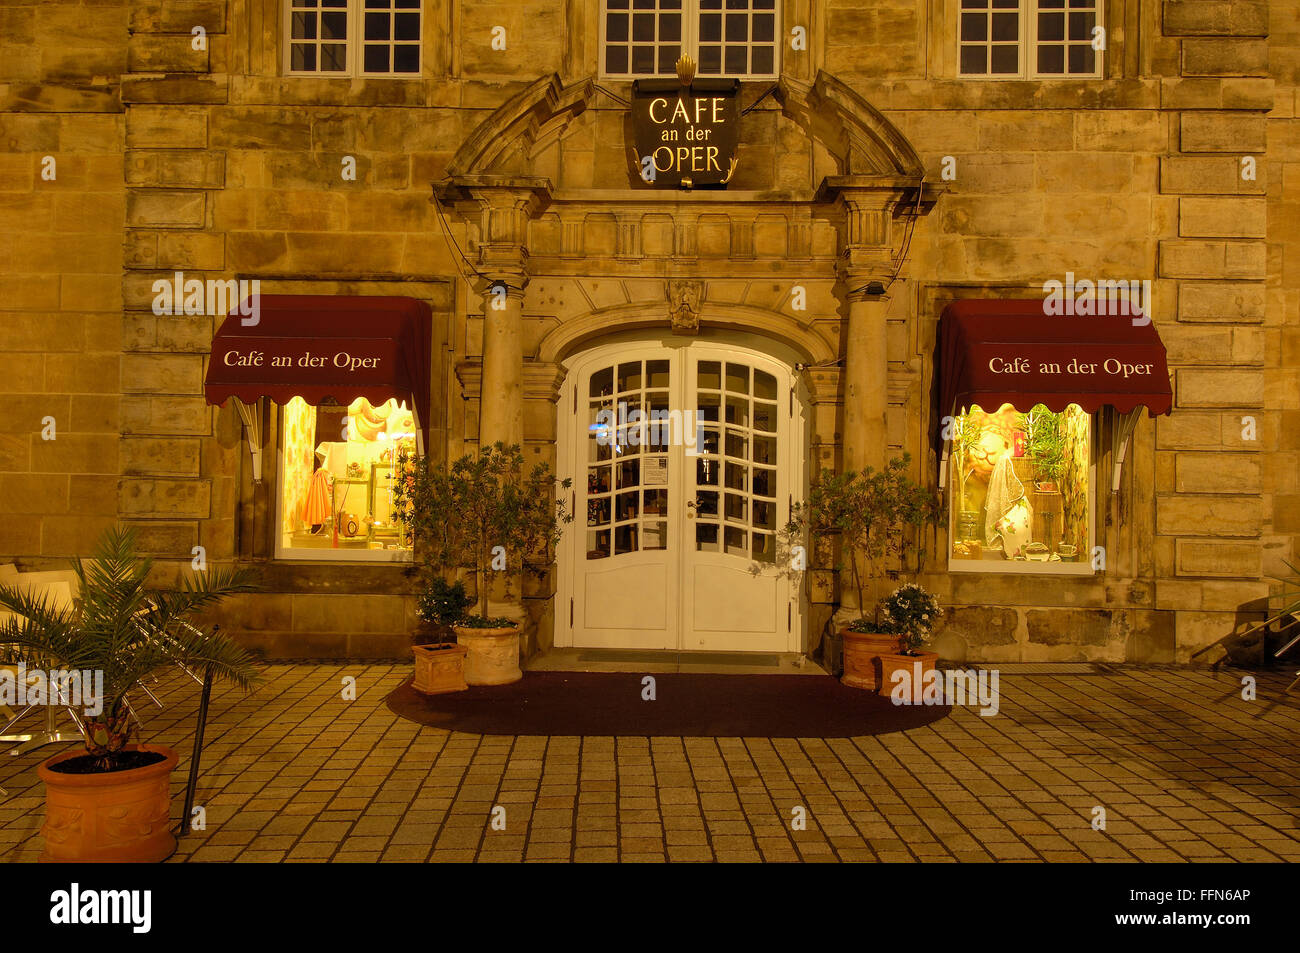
{"x": 685, "y": 129}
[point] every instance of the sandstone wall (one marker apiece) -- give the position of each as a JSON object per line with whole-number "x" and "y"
{"x": 210, "y": 162}
{"x": 1280, "y": 471}
{"x": 61, "y": 211}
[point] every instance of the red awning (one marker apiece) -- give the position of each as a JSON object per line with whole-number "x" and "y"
{"x": 1009, "y": 352}
{"x": 322, "y": 347}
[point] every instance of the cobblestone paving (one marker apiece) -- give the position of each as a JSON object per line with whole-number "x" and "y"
{"x": 1183, "y": 767}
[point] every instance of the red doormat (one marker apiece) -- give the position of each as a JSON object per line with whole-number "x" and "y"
{"x": 696, "y": 706}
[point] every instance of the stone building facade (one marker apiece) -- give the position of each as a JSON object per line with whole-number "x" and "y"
{"x": 872, "y": 174}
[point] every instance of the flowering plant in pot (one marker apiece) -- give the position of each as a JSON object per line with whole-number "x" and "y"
{"x": 109, "y": 802}
{"x": 880, "y": 518}
{"x": 910, "y": 613}
{"x": 487, "y": 517}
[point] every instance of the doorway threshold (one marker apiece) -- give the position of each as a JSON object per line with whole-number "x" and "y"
{"x": 666, "y": 661}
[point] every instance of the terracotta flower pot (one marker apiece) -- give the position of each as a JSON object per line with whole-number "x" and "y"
{"x": 912, "y": 678}
{"x": 492, "y": 655}
{"x": 439, "y": 668}
{"x": 112, "y": 817}
{"x": 861, "y": 649}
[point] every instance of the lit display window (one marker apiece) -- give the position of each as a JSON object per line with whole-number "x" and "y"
{"x": 336, "y": 480}
{"x": 1021, "y": 491}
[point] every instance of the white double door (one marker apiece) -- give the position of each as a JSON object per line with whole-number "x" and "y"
{"x": 681, "y": 459}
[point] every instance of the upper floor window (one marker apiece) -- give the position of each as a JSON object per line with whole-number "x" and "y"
{"x": 1030, "y": 38}
{"x": 734, "y": 38}
{"x": 353, "y": 37}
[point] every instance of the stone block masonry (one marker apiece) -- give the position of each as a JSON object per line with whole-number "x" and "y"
{"x": 1180, "y": 165}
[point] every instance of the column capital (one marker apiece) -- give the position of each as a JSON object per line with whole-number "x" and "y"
{"x": 864, "y": 284}
{"x": 502, "y": 206}
{"x": 513, "y": 281}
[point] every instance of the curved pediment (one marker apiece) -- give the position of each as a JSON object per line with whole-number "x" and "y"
{"x": 529, "y": 135}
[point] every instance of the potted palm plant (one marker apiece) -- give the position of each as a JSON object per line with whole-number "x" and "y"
{"x": 872, "y": 513}
{"x": 110, "y": 801}
{"x": 909, "y": 612}
{"x": 485, "y": 516}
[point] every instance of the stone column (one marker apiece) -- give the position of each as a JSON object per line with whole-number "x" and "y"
{"x": 501, "y": 397}
{"x": 865, "y": 269}
{"x": 503, "y": 206}
{"x": 866, "y": 374}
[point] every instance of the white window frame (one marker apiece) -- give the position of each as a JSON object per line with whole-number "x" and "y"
{"x": 690, "y": 44}
{"x": 355, "y": 46}
{"x": 1015, "y": 567}
{"x": 1028, "y": 47}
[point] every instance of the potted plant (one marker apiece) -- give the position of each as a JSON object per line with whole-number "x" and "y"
{"x": 110, "y": 801}
{"x": 439, "y": 659}
{"x": 910, "y": 613}
{"x": 1045, "y": 446}
{"x": 872, "y": 513}
{"x": 483, "y": 515}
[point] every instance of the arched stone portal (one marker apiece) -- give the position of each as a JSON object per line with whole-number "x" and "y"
{"x": 568, "y": 246}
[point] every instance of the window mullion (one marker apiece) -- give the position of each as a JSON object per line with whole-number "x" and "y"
{"x": 691, "y": 29}
{"x": 354, "y": 37}
{"x": 1029, "y": 40}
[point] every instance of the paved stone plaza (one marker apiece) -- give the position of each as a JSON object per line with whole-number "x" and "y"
{"x": 1183, "y": 767}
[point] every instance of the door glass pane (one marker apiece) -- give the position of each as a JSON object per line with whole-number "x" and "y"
{"x": 625, "y": 539}
{"x": 629, "y": 474}
{"x": 657, "y": 374}
{"x": 744, "y": 469}
{"x": 737, "y": 378}
{"x": 706, "y": 537}
{"x": 602, "y": 383}
{"x": 706, "y": 503}
{"x": 736, "y": 474}
{"x": 654, "y": 535}
{"x": 706, "y": 472}
{"x": 597, "y": 544}
{"x": 627, "y": 482}
{"x": 629, "y": 377}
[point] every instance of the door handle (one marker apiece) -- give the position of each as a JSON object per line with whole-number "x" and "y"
{"x": 690, "y": 508}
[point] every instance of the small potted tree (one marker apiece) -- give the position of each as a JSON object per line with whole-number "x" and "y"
{"x": 439, "y": 659}
{"x": 909, "y": 612}
{"x": 968, "y": 431}
{"x": 1045, "y": 446}
{"x": 871, "y": 512}
{"x": 109, "y": 802}
{"x": 483, "y": 515}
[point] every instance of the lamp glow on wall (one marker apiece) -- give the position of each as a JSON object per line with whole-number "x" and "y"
{"x": 251, "y": 415}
